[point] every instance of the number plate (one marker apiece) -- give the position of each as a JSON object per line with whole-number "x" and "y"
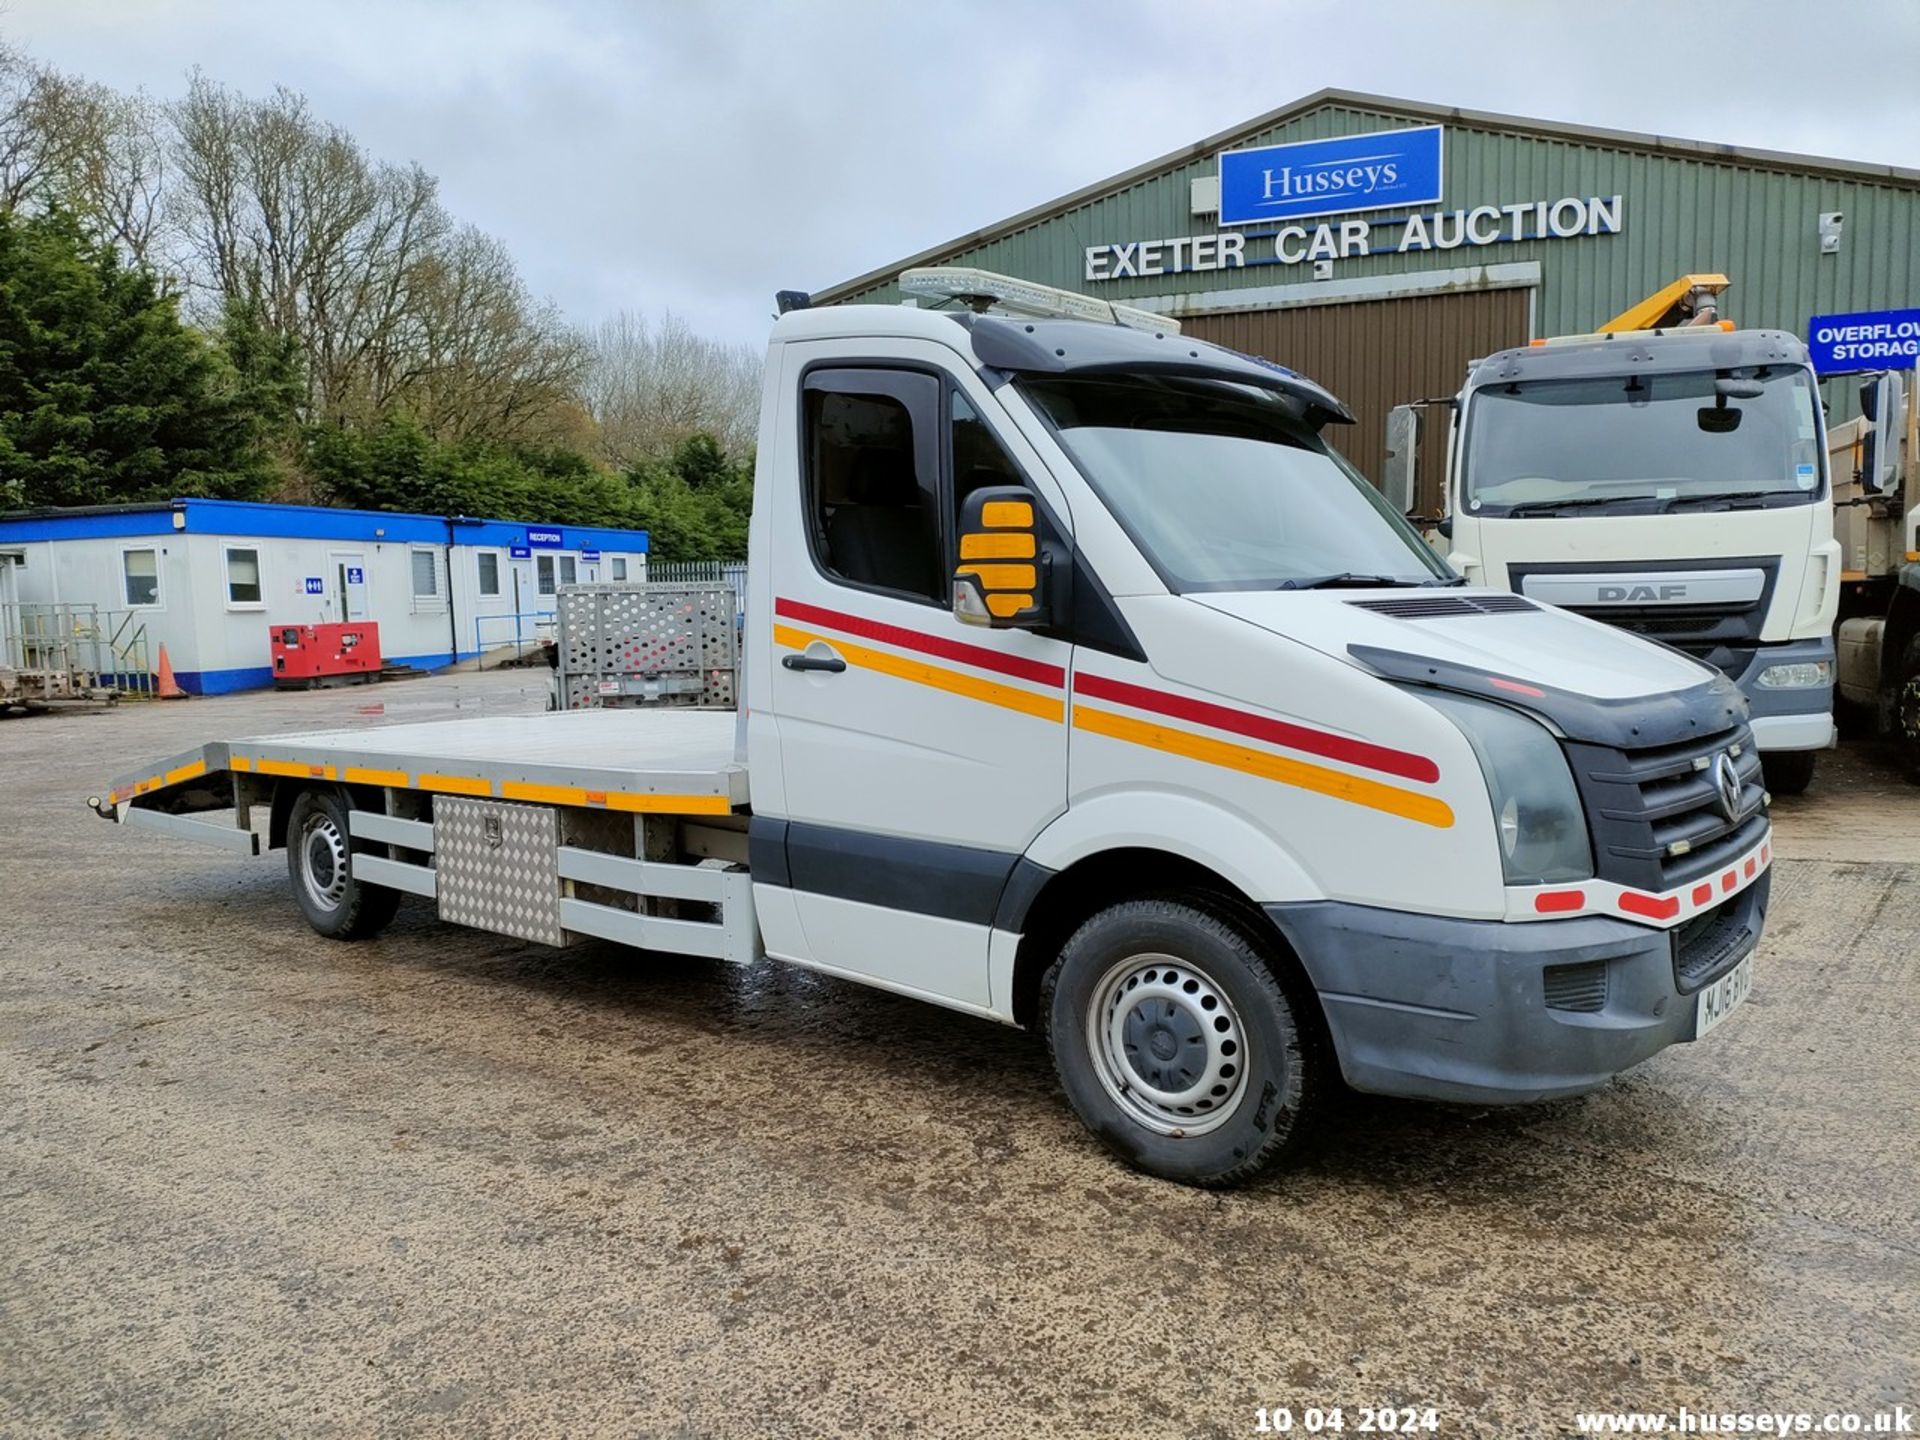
{"x": 1723, "y": 997}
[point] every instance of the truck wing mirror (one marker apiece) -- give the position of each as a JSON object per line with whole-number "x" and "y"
{"x": 1883, "y": 400}
{"x": 1400, "y": 477}
{"x": 1001, "y": 578}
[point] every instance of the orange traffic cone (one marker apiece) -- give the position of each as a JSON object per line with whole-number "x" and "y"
{"x": 168, "y": 688}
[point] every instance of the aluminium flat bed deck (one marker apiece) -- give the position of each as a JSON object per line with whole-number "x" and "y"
{"x": 663, "y": 762}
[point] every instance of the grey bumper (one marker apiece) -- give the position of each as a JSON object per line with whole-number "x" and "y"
{"x": 1440, "y": 1009}
{"x": 1790, "y": 719}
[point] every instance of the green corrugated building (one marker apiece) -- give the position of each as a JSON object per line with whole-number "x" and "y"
{"x": 1415, "y": 238}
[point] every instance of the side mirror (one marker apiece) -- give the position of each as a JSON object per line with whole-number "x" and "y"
{"x": 1400, "y": 477}
{"x": 1000, "y": 580}
{"x": 1883, "y": 400}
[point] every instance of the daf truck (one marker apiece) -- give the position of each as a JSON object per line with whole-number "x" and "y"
{"x": 1668, "y": 475}
{"x": 1088, "y": 689}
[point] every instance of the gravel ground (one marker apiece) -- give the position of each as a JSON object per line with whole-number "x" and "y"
{"x": 255, "y": 1183}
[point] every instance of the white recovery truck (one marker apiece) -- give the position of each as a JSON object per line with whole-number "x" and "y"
{"x": 1088, "y": 690}
{"x": 1666, "y": 474}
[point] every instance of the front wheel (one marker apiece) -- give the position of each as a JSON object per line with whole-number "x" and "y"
{"x": 320, "y": 864}
{"x": 1178, "y": 1043}
{"x": 1788, "y": 772}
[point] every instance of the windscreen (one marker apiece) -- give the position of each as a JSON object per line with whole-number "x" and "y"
{"x": 1224, "y": 488}
{"x": 1644, "y": 444}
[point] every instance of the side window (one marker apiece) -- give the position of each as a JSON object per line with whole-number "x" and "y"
{"x": 140, "y": 576}
{"x": 489, "y": 575}
{"x": 619, "y": 567}
{"x": 979, "y": 460}
{"x": 873, "y": 479}
{"x": 569, "y": 572}
{"x": 543, "y": 573}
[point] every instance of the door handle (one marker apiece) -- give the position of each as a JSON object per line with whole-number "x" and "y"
{"x": 832, "y": 664}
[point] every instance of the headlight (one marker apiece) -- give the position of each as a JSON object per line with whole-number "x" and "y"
{"x": 1802, "y": 676}
{"x": 1536, "y": 809}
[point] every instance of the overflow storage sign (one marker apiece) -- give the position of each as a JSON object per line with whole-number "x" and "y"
{"x": 1864, "y": 340}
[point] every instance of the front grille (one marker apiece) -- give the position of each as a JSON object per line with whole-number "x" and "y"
{"x": 1710, "y": 944}
{"x": 1656, "y": 813}
{"x": 1435, "y": 607}
{"x": 1580, "y": 987}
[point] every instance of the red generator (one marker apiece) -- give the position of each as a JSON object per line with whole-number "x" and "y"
{"x": 306, "y": 656}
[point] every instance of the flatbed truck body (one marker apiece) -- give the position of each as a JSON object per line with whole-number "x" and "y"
{"x": 1088, "y": 690}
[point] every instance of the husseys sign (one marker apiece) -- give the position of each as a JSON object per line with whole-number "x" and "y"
{"x": 1278, "y": 185}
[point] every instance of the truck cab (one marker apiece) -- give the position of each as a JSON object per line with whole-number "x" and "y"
{"x": 1673, "y": 483}
{"x": 1089, "y": 690}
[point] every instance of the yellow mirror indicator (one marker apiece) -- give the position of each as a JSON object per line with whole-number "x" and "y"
{"x": 1005, "y": 604}
{"x": 1007, "y": 514}
{"x": 1003, "y": 577}
{"x": 983, "y": 545}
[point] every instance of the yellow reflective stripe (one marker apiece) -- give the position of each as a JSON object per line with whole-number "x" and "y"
{"x": 1007, "y": 603}
{"x": 616, "y": 799}
{"x": 361, "y": 775}
{"x": 1014, "y": 545}
{"x": 1297, "y": 773}
{"x": 1007, "y": 514}
{"x": 188, "y": 771}
{"x": 296, "y": 770}
{"x": 1008, "y": 697}
{"x": 1003, "y": 577}
{"x": 457, "y": 784}
{"x": 239, "y": 762}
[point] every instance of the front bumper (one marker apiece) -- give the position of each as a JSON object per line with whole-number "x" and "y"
{"x": 1790, "y": 719}
{"x": 1440, "y": 1009}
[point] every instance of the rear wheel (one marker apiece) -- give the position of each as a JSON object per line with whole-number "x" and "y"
{"x": 1906, "y": 710}
{"x": 1178, "y": 1043}
{"x": 1788, "y": 772}
{"x": 320, "y": 864}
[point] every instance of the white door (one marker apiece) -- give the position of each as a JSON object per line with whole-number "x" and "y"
{"x": 919, "y": 756}
{"x": 349, "y": 584}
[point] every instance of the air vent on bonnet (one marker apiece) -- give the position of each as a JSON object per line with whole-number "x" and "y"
{"x": 1436, "y": 607}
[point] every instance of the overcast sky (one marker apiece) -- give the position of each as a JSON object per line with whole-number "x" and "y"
{"x": 699, "y": 156}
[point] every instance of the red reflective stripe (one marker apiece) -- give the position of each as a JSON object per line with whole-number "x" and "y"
{"x": 1702, "y": 894}
{"x": 1555, "y": 902}
{"x": 1654, "y": 907}
{"x": 977, "y": 655}
{"x": 1516, "y": 687}
{"x": 1258, "y": 727}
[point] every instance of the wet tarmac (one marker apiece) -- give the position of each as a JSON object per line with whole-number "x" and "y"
{"x": 254, "y": 1183}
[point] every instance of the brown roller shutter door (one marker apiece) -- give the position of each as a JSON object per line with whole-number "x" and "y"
{"x": 1376, "y": 354}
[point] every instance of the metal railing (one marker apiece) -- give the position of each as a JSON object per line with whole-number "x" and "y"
{"x": 69, "y": 652}
{"x": 701, "y": 572}
{"x": 529, "y": 630}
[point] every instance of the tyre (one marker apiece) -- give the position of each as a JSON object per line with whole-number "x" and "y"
{"x": 1180, "y": 1044}
{"x": 320, "y": 864}
{"x": 1906, "y": 710}
{"x": 1788, "y": 772}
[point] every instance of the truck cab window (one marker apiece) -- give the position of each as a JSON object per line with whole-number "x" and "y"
{"x": 979, "y": 460}
{"x": 873, "y": 479}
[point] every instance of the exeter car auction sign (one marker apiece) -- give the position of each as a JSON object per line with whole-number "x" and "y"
{"x": 1864, "y": 340}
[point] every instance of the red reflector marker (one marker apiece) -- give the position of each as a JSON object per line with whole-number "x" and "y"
{"x": 1729, "y": 880}
{"x": 1516, "y": 687}
{"x": 1557, "y": 902}
{"x": 1654, "y": 907}
{"x": 1702, "y": 894}
{"x": 1752, "y": 865}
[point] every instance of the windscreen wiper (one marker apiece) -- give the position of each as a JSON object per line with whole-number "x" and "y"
{"x": 1734, "y": 499}
{"x": 1348, "y": 580}
{"x": 1553, "y": 507}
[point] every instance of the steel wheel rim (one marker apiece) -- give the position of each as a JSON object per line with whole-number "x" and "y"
{"x": 323, "y": 862}
{"x": 1167, "y": 1044}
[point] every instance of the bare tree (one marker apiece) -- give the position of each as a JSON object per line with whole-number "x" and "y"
{"x": 652, "y": 384}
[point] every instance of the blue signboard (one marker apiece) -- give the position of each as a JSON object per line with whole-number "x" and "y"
{"x": 355, "y": 575}
{"x": 544, "y": 539}
{"x": 1388, "y": 169}
{"x": 589, "y": 557}
{"x": 315, "y": 585}
{"x": 1864, "y": 340}
{"x": 519, "y": 552}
